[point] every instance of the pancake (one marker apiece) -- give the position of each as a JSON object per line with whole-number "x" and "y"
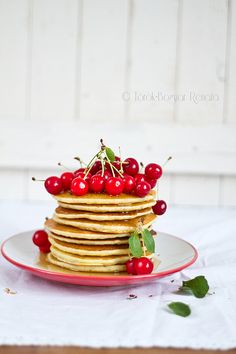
{"x": 88, "y": 260}
{"x": 116, "y": 227}
{"x": 109, "y": 208}
{"x": 73, "y": 232}
{"x": 86, "y": 268}
{"x": 75, "y": 214}
{"x": 92, "y": 198}
{"x": 90, "y": 250}
{"x": 113, "y": 241}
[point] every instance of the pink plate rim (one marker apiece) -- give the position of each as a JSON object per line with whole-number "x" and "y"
{"x": 120, "y": 279}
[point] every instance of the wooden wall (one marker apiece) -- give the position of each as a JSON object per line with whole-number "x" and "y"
{"x": 156, "y": 77}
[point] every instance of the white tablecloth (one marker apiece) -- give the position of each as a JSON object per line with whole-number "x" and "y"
{"x": 44, "y": 312}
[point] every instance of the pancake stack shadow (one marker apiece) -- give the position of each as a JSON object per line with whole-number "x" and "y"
{"x": 91, "y": 233}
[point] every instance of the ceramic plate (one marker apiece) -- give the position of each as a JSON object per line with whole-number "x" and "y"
{"x": 174, "y": 253}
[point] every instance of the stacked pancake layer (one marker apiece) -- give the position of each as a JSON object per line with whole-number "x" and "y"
{"x": 91, "y": 233}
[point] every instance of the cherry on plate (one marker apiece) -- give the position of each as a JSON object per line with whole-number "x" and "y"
{"x": 45, "y": 248}
{"x": 130, "y": 266}
{"x": 40, "y": 238}
{"x": 143, "y": 265}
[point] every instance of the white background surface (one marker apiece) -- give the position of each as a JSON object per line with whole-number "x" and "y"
{"x": 64, "y": 66}
{"x": 44, "y": 312}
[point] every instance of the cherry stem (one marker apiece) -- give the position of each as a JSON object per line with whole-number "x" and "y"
{"x": 142, "y": 166}
{"x": 118, "y": 171}
{"x": 38, "y": 180}
{"x": 167, "y": 160}
{"x": 121, "y": 163}
{"x": 111, "y": 166}
{"x": 103, "y": 166}
{"x": 61, "y": 165}
{"x": 80, "y": 161}
{"x": 91, "y": 163}
{"x": 103, "y": 147}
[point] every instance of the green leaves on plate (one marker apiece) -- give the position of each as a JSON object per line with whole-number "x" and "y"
{"x": 198, "y": 286}
{"x": 135, "y": 245}
{"x": 180, "y": 308}
{"x": 110, "y": 154}
{"x": 148, "y": 240}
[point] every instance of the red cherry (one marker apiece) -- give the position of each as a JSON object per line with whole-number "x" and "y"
{"x": 53, "y": 185}
{"x": 153, "y": 171}
{"x": 96, "y": 167}
{"x": 106, "y": 174}
{"x": 40, "y": 238}
{"x": 129, "y": 183}
{"x": 114, "y": 186}
{"x": 142, "y": 189}
{"x": 79, "y": 186}
{"x": 96, "y": 184}
{"x": 160, "y": 207}
{"x": 140, "y": 177}
{"x": 117, "y": 163}
{"x": 67, "y": 178}
{"x": 83, "y": 174}
{"x": 81, "y": 169}
{"x": 131, "y": 166}
{"x": 130, "y": 266}
{"x": 143, "y": 265}
{"x": 152, "y": 182}
{"x": 45, "y": 248}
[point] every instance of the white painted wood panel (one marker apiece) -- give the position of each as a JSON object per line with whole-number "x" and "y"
{"x": 54, "y": 53}
{"x": 152, "y": 58}
{"x": 13, "y": 58}
{"x": 103, "y": 59}
{"x": 164, "y": 188}
{"x": 14, "y": 184}
{"x": 205, "y": 150}
{"x": 201, "y": 61}
{"x": 228, "y": 191}
{"x": 230, "y": 92}
{"x": 195, "y": 190}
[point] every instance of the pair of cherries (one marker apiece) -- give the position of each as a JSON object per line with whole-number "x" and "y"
{"x": 40, "y": 239}
{"x": 98, "y": 181}
{"x": 139, "y": 266}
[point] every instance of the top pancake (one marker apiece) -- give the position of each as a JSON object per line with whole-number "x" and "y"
{"x": 92, "y": 198}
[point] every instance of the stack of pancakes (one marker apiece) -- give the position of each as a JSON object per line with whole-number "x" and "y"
{"x": 90, "y": 233}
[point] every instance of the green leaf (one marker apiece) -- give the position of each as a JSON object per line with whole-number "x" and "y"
{"x": 110, "y": 154}
{"x": 135, "y": 245}
{"x": 180, "y": 308}
{"x": 148, "y": 240}
{"x": 198, "y": 286}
